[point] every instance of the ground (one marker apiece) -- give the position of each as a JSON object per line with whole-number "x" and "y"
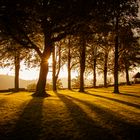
{"x": 97, "y": 114}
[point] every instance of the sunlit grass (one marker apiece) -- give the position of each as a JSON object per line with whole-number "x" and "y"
{"x": 96, "y": 114}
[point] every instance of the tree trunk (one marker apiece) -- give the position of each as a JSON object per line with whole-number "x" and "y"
{"x": 82, "y": 62}
{"x": 54, "y": 69}
{"x": 116, "y": 87}
{"x": 81, "y": 80}
{"x": 41, "y": 84}
{"x": 54, "y": 84}
{"x": 17, "y": 68}
{"x": 94, "y": 73}
{"x": 105, "y": 69}
{"x": 69, "y": 68}
{"x": 127, "y": 74}
{"x": 69, "y": 78}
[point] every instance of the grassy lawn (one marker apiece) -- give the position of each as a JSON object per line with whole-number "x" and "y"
{"x": 97, "y": 114}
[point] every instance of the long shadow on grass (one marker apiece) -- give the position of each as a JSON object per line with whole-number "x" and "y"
{"x": 126, "y": 94}
{"x": 119, "y": 126}
{"x": 88, "y": 128}
{"x": 122, "y": 93}
{"x": 116, "y": 100}
{"x": 28, "y": 126}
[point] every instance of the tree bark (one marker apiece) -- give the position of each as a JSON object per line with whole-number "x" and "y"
{"x": 69, "y": 68}
{"x": 127, "y": 74}
{"x": 94, "y": 73}
{"x": 17, "y": 68}
{"x": 105, "y": 69}
{"x": 82, "y": 62}
{"x": 94, "y": 53}
{"x": 116, "y": 87}
{"x": 41, "y": 84}
{"x": 54, "y": 69}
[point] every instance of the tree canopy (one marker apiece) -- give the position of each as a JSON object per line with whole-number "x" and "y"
{"x": 38, "y": 24}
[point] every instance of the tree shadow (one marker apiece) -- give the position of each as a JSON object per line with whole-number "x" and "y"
{"x": 28, "y": 126}
{"x": 88, "y": 128}
{"x": 119, "y": 126}
{"x": 116, "y": 100}
{"x": 121, "y": 93}
{"x": 100, "y": 90}
{"x": 131, "y": 95}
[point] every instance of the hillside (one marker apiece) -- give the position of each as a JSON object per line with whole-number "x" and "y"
{"x": 7, "y": 82}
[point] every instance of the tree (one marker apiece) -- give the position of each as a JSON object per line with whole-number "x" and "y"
{"x": 59, "y": 84}
{"x": 76, "y": 82}
{"x": 129, "y": 52}
{"x": 23, "y": 20}
{"x": 104, "y": 60}
{"x": 12, "y": 54}
{"x": 54, "y": 19}
{"x": 56, "y": 62}
{"x": 121, "y": 13}
{"x": 82, "y": 60}
{"x": 92, "y": 56}
{"x": 70, "y": 55}
{"x": 69, "y": 63}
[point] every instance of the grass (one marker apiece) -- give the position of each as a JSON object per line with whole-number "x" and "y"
{"x": 97, "y": 114}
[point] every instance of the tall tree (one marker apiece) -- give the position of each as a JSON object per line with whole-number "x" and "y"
{"x": 70, "y": 55}
{"x": 69, "y": 63}
{"x": 56, "y": 63}
{"x": 129, "y": 51}
{"x": 105, "y": 47}
{"x": 92, "y": 57}
{"x": 54, "y": 19}
{"x": 123, "y": 12}
{"x": 82, "y": 61}
{"x": 11, "y": 54}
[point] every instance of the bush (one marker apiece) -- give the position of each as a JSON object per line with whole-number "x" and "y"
{"x": 31, "y": 87}
{"x": 48, "y": 86}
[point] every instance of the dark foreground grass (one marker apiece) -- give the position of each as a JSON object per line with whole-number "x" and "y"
{"x": 97, "y": 114}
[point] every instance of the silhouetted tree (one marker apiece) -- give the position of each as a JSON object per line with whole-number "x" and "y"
{"x": 76, "y": 82}
{"x": 121, "y": 13}
{"x": 56, "y": 63}
{"x": 104, "y": 61}
{"x": 11, "y": 54}
{"x": 129, "y": 53}
{"x": 54, "y": 19}
{"x": 70, "y": 55}
{"x": 23, "y": 20}
{"x": 92, "y": 57}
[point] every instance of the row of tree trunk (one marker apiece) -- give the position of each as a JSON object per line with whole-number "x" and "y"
{"x": 82, "y": 67}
